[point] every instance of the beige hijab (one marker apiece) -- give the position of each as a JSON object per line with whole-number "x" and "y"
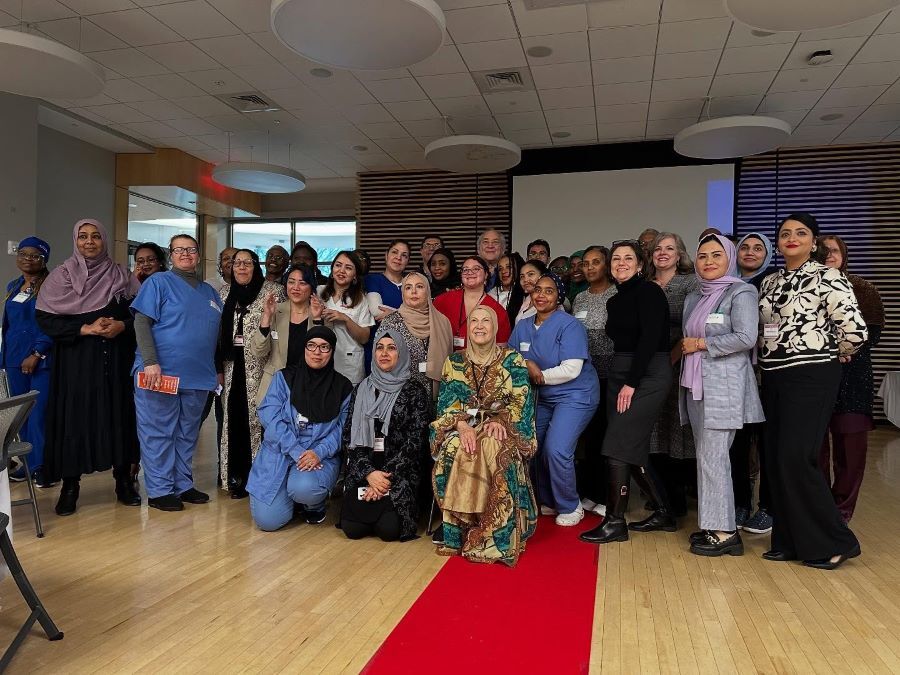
{"x": 482, "y": 355}
{"x": 428, "y": 323}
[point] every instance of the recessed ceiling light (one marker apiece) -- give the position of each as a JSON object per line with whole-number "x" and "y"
{"x": 830, "y": 117}
{"x": 539, "y": 51}
{"x": 820, "y": 57}
{"x": 219, "y": 83}
{"x": 360, "y": 148}
{"x": 761, "y": 33}
{"x": 320, "y": 72}
{"x": 561, "y": 134}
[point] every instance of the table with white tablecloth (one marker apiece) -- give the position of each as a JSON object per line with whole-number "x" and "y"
{"x": 889, "y": 392}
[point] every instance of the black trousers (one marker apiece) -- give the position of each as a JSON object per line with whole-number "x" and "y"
{"x": 740, "y": 467}
{"x": 798, "y": 403}
{"x": 590, "y": 470}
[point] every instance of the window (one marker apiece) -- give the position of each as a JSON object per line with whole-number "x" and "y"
{"x": 260, "y": 237}
{"x": 150, "y": 220}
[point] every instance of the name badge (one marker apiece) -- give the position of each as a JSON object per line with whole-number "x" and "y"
{"x": 361, "y": 493}
{"x": 21, "y": 297}
{"x": 770, "y": 330}
{"x": 274, "y": 334}
{"x": 238, "y": 341}
{"x": 302, "y": 421}
{"x": 379, "y": 444}
{"x": 212, "y": 303}
{"x": 581, "y": 315}
{"x": 472, "y": 412}
{"x": 422, "y": 366}
{"x": 715, "y": 317}
{"x": 524, "y": 346}
{"x": 459, "y": 342}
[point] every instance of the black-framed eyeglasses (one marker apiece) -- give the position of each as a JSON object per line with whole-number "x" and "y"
{"x": 322, "y": 349}
{"x": 178, "y": 250}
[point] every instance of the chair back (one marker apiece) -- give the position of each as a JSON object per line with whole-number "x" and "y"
{"x": 4, "y": 384}
{"x": 13, "y": 413}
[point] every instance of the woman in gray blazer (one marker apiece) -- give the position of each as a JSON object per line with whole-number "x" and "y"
{"x": 718, "y": 392}
{"x": 281, "y": 337}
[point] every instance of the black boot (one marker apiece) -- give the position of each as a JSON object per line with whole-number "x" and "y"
{"x": 125, "y": 490}
{"x": 662, "y": 518}
{"x": 613, "y": 528}
{"x": 68, "y": 496}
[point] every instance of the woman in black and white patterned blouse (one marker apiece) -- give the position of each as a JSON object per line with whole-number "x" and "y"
{"x": 810, "y": 322}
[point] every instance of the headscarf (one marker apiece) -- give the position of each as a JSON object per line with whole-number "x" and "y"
{"x": 762, "y": 269}
{"x": 482, "y": 355}
{"x": 452, "y": 281}
{"x": 83, "y": 285}
{"x": 39, "y": 244}
{"x": 317, "y": 393}
{"x": 429, "y": 324}
{"x": 367, "y": 407}
{"x": 711, "y": 293}
{"x": 560, "y": 285}
{"x": 238, "y": 295}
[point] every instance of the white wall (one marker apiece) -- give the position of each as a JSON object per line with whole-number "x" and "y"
{"x": 18, "y": 176}
{"x": 574, "y": 210}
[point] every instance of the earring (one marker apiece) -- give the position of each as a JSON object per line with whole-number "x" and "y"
{"x": 814, "y": 248}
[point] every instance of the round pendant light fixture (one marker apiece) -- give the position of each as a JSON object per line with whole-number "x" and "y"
{"x": 259, "y": 177}
{"x": 360, "y": 34}
{"x": 31, "y": 65}
{"x": 735, "y": 136}
{"x": 800, "y": 15}
{"x": 473, "y": 154}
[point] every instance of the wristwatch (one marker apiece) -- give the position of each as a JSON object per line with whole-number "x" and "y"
{"x": 39, "y": 355}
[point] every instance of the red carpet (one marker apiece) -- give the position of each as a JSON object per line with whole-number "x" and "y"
{"x": 474, "y": 618}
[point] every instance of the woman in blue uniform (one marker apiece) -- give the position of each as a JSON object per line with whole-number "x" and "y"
{"x": 176, "y": 323}
{"x": 555, "y": 348}
{"x": 303, "y": 415}
{"x": 24, "y": 348}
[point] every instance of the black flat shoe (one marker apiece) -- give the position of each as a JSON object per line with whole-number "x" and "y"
{"x": 827, "y": 564}
{"x": 697, "y": 537}
{"x": 610, "y": 530}
{"x": 658, "y": 521}
{"x": 194, "y": 496}
{"x": 314, "y": 517}
{"x": 68, "y": 500}
{"x": 126, "y": 493}
{"x": 437, "y": 537}
{"x": 778, "y": 556}
{"x": 238, "y": 493}
{"x": 166, "y": 503}
{"x": 712, "y": 546}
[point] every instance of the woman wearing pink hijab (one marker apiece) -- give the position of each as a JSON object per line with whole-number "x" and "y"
{"x": 83, "y": 308}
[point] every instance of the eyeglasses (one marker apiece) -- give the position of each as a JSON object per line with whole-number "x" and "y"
{"x": 30, "y": 257}
{"x": 178, "y": 250}
{"x": 431, "y": 247}
{"x": 146, "y": 261}
{"x": 468, "y": 271}
{"x": 559, "y": 268}
{"x": 544, "y": 291}
{"x": 275, "y": 259}
{"x": 242, "y": 263}
{"x": 322, "y": 349}
{"x": 226, "y": 259}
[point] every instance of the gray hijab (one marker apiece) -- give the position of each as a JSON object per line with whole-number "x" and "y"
{"x": 367, "y": 407}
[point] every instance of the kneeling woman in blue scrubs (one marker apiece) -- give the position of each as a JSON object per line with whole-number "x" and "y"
{"x": 303, "y": 415}
{"x": 555, "y": 348}
{"x": 176, "y": 323}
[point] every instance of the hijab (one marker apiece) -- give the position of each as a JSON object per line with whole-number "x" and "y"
{"x": 238, "y": 295}
{"x": 764, "y": 268}
{"x": 482, "y": 355}
{"x": 560, "y": 286}
{"x": 711, "y": 292}
{"x": 452, "y": 281}
{"x": 82, "y": 285}
{"x": 377, "y": 394}
{"x": 317, "y": 393}
{"x": 429, "y": 324}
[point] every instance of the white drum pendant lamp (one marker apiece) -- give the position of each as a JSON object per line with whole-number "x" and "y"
{"x": 31, "y": 65}
{"x": 360, "y": 34}
{"x": 259, "y": 177}
{"x": 473, "y": 154}
{"x": 735, "y": 136}
{"x": 800, "y": 15}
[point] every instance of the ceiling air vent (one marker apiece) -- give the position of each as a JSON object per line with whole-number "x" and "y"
{"x": 506, "y": 80}
{"x": 248, "y": 102}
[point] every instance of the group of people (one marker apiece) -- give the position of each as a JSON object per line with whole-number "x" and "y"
{"x": 524, "y": 386}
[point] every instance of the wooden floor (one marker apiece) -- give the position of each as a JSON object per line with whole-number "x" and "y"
{"x": 137, "y": 590}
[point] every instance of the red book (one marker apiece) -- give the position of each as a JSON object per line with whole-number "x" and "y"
{"x": 168, "y": 385}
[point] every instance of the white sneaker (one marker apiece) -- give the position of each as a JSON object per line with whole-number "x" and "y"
{"x": 588, "y": 504}
{"x": 570, "y": 519}
{"x": 548, "y": 511}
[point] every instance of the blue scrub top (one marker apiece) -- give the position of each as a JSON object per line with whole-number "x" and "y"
{"x": 391, "y": 296}
{"x": 186, "y": 328}
{"x": 21, "y": 334}
{"x": 560, "y": 337}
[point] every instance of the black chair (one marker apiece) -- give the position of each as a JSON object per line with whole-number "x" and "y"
{"x": 13, "y": 413}
{"x": 19, "y": 451}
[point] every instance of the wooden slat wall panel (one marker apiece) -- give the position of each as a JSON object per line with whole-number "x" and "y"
{"x": 413, "y": 204}
{"x": 854, "y": 192}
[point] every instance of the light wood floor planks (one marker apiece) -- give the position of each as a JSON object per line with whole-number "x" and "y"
{"x": 137, "y": 590}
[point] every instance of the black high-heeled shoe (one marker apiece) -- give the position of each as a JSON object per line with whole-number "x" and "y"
{"x": 828, "y": 564}
{"x": 68, "y": 497}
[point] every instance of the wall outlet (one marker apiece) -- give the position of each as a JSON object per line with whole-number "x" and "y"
{"x": 12, "y": 247}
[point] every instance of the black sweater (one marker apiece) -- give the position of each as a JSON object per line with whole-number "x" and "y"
{"x": 638, "y": 323}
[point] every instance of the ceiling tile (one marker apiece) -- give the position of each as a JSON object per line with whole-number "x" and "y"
{"x": 567, "y": 97}
{"x": 126, "y": 91}
{"x": 668, "y": 127}
{"x": 475, "y": 125}
{"x": 153, "y": 129}
{"x": 267, "y": 77}
{"x": 118, "y": 113}
{"x": 163, "y": 110}
{"x": 891, "y": 23}
{"x": 129, "y": 62}
{"x": 136, "y": 27}
{"x": 446, "y": 60}
{"x": 463, "y": 106}
{"x": 686, "y": 64}
{"x": 879, "y": 48}
{"x": 677, "y": 90}
{"x": 431, "y": 128}
{"x": 581, "y": 133}
{"x": 519, "y": 121}
{"x": 753, "y": 59}
{"x": 180, "y": 57}
{"x": 843, "y": 50}
{"x": 792, "y": 117}
{"x": 85, "y": 7}
{"x": 234, "y": 122}
{"x": 838, "y": 97}
{"x": 403, "y": 89}
{"x": 343, "y": 93}
{"x": 805, "y": 79}
{"x": 626, "y": 92}
{"x": 169, "y": 86}
{"x": 372, "y": 75}
{"x": 566, "y": 47}
{"x": 203, "y": 106}
{"x": 892, "y": 95}
{"x": 687, "y": 10}
{"x": 192, "y": 126}
{"x": 671, "y": 110}
{"x": 493, "y": 55}
{"x": 34, "y": 11}
{"x": 616, "y": 71}
{"x": 623, "y": 13}
{"x": 617, "y": 114}
{"x": 866, "y": 74}
{"x": 863, "y": 27}
{"x": 399, "y": 145}
{"x": 847, "y": 114}
{"x": 380, "y": 130}
{"x": 860, "y": 132}
{"x": 558, "y": 75}
{"x": 882, "y": 113}
{"x": 515, "y": 101}
{"x": 743, "y": 36}
{"x": 615, "y": 43}
{"x": 549, "y": 21}
{"x": 80, "y": 35}
{"x": 410, "y": 111}
{"x": 621, "y": 130}
{"x": 238, "y": 50}
{"x": 194, "y": 20}
{"x": 570, "y": 117}
{"x": 741, "y": 84}
{"x": 452, "y": 85}
{"x": 692, "y": 36}
{"x": 250, "y": 16}
{"x": 528, "y": 137}
{"x": 732, "y": 105}
{"x": 99, "y": 99}
{"x": 801, "y": 100}
{"x": 219, "y": 81}
{"x": 368, "y": 113}
{"x": 481, "y": 24}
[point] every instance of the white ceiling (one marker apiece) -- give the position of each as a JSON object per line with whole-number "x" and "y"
{"x": 619, "y": 70}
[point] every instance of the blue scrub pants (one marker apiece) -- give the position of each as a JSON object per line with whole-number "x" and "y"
{"x": 309, "y": 488}
{"x": 33, "y": 431}
{"x": 558, "y": 426}
{"x": 168, "y": 427}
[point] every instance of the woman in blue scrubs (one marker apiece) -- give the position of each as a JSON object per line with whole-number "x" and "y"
{"x": 555, "y": 348}
{"x": 176, "y": 322}
{"x": 24, "y": 349}
{"x": 303, "y": 415}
